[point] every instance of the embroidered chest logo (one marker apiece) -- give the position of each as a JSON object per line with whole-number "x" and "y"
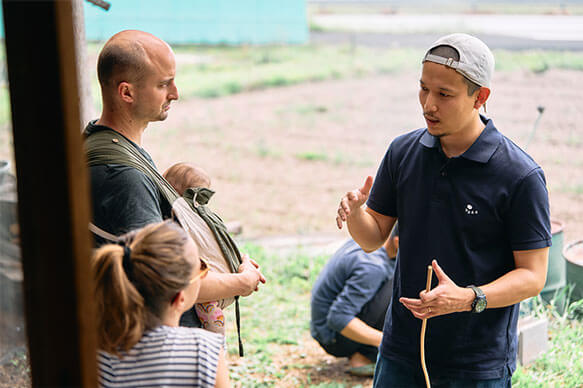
{"x": 470, "y": 209}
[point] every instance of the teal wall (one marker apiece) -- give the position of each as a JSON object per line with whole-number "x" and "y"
{"x": 203, "y": 21}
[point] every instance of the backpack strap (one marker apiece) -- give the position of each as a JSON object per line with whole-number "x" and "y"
{"x": 103, "y": 234}
{"x": 110, "y": 147}
{"x": 225, "y": 241}
{"x": 215, "y": 224}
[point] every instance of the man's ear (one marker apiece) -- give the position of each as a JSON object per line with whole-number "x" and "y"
{"x": 126, "y": 91}
{"x": 481, "y": 97}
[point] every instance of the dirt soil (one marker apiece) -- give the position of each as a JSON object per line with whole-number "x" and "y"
{"x": 15, "y": 370}
{"x": 305, "y": 364}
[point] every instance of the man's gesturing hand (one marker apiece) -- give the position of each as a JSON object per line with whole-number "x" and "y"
{"x": 353, "y": 200}
{"x": 446, "y": 298}
{"x": 251, "y": 273}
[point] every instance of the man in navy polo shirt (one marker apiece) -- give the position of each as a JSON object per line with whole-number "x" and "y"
{"x": 471, "y": 204}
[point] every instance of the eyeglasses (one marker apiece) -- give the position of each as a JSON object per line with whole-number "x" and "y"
{"x": 204, "y": 269}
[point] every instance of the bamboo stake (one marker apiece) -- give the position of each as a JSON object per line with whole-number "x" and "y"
{"x": 423, "y": 328}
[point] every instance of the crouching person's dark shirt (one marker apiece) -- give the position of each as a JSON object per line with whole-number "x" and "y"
{"x": 350, "y": 279}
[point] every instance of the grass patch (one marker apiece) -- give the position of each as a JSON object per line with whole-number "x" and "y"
{"x": 314, "y": 27}
{"x": 279, "y": 315}
{"x": 230, "y": 70}
{"x": 338, "y": 159}
{"x": 237, "y": 69}
{"x": 576, "y": 188}
{"x": 574, "y": 140}
{"x": 264, "y": 151}
{"x": 309, "y": 109}
{"x": 312, "y": 156}
{"x": 561, "y": 365}
{"x": 538, "y": 60}
{"x": 341, "y": 158}
{"x": 15, "y": 369}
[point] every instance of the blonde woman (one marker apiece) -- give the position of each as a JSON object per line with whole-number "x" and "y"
{"x": 142, "y": 289}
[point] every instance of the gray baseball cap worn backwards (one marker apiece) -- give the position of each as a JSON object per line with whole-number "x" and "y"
{"x": 476, "y": 61}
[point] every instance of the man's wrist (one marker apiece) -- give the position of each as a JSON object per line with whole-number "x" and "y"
{"x": 242, "y": 283}
{"x": 480, "y": 301}
{"x": 470, "y": 295}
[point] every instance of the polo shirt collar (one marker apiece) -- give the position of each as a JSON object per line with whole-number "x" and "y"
{"x": 429, "y": 140}
{"x": 482, "y": 149}
{"x": 485, "y": 145}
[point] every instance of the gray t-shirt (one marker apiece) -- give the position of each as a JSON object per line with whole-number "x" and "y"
{"x": 124, "y": 198}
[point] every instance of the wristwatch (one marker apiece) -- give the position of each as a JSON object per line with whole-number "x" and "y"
{"x": 479, "y": 304}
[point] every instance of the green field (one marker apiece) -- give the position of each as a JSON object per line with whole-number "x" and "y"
{"x": 230, "y": 70}
{"x": 278, "y": 315}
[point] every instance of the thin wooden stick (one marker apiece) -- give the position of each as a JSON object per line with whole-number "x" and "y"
{"x": 423, "y": 328}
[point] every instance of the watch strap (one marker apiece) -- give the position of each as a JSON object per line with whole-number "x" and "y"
{"x": 479, "y": 296}
{"x": 477, "y": 290}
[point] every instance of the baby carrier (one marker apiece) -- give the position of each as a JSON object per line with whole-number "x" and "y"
{"x": 205, "y": 227}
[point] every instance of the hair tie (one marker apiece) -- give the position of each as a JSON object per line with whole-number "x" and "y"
{"x": 127, "y": 260}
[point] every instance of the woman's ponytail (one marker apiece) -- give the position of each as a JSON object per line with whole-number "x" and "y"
{"x": 135, "y": 283}
{"x": 120, "y": 324}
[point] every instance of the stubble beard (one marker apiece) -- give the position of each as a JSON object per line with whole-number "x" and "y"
{"x": 163, "y": 115}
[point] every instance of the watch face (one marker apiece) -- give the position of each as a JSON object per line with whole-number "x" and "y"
{"x": 480, "y": 305}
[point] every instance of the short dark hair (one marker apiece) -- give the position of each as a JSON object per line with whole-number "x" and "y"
{"x": 445, "y": 51}
{"x": 121, "y": 61}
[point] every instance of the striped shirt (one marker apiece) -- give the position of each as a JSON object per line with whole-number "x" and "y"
{"x": 164, "y": 357}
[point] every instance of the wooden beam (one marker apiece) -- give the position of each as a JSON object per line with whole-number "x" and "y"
{"x": 53, "y": 195}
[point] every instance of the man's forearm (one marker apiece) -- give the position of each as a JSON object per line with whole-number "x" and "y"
{"x": 514, "y": 287}
{"x": 511, "y": 288}
{"x": 525, "y": 281}
{"x": 217, "y": 286}
{"x": 368, "y": 231}
{"x": 360, "y": 332}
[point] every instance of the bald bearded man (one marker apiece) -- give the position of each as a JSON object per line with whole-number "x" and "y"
{"x": 136, "y": 73}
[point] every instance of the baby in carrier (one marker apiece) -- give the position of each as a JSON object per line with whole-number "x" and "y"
{"x": 193, "y": 184}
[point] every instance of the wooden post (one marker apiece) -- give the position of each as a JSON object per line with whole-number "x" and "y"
{"x": 53, "y": 192}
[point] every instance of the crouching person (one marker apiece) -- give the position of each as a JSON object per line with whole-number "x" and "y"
{"x": 349, "y": 302}
{"x": 142, "y": 289}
